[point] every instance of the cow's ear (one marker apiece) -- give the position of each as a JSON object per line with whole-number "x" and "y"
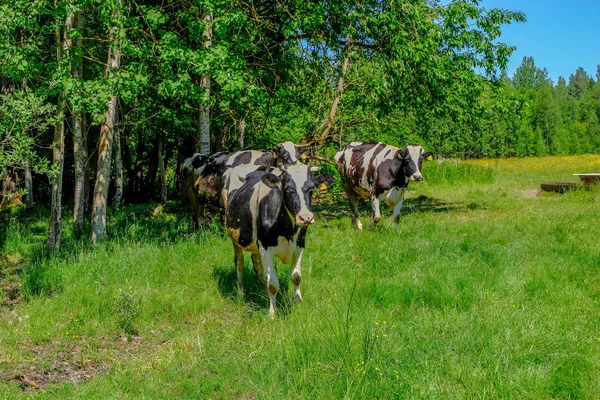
{"x": 199, "y": 160}
{"x": 428, "y": 156}
{"x": 269, "y": 207}
{"x": 323, "y": 182}
{"x": 271, "y": 180}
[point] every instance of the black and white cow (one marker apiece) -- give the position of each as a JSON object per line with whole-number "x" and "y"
{"x": 379, "y": 172}
{"x": 208, "y": 180}
{"x": 268, "y": 216}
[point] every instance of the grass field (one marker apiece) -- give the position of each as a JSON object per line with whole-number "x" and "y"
{"x": 490, "y": 290}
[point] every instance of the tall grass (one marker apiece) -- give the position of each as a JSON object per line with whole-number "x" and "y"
{"x": 498, "y": 300}
{"x": 450, "y": 172}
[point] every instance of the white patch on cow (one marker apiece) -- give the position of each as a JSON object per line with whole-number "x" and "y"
{"x": 392, "y": 197}
{"x": 415, "y": 153}
{"x": 284, "y": 249}
{"x": 299, "y": 174}
{"x": 347, "y": 157}
{"x": 297, "y": 271}
{"x": 290, "y": 148}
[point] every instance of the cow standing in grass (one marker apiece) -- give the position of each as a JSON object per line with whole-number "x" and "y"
{"x": 379, "y": 172}
{"x": 208, "y": 180}
{"x": 268, "y": 216}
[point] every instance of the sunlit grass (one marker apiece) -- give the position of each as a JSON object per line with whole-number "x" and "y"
{"x": 486, "y": 292}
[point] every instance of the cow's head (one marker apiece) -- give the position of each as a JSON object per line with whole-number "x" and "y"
{"x": 412, "y": 158}
{"x": 297, "y": 183}
{"x": 287, "y": 153}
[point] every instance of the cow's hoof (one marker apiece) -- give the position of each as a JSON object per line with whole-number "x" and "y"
{"x": 359, "y": 226}
{"x": 298, "y": 298}
{"x": 271, "y": 314}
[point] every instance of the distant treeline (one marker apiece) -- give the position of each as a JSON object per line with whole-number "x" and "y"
{"x": 529, "y": 115}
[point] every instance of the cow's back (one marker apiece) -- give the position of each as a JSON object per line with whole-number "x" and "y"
{"x": 360, "y": 164}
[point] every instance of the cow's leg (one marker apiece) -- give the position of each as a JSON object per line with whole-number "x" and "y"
{"x": 353, "y": 203}
{"x": 272, "y": 282}
{"x": 376, "y": 212}
{"x": 396, "y": 213}
{"x": 239, "y": 265}
{"x": 259, "y": 269}
{"x": 296, "y": 264}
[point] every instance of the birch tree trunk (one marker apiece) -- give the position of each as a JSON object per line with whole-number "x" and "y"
{"x": 204, "y": 117}
{"x": 161, "y": 168}
{"x": 100, "y": 200}
{"x": 58, "y": 145}
{"x": 118, "y": 164}
{"x": 325, "y": 128}
{"x": 79, "y": 147}
{"x": 242, "y": 133}
{"x": 27, "y": 170}
{"x": 28, "y": 187}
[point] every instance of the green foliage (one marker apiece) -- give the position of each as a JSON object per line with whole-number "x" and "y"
{"x": 23, "y": 119}
{"x": 127, "y": 307}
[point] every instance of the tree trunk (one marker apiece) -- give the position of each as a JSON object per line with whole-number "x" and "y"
{"x": 79, "y": 148}
{"x": 58, "y": 145}
{"x": 27, "y": 169}
{"x": 10, "y": 190}
{"x": 242, "y": 133}
{"x": 161, "y": 168}
{"x": 204, "y": 117}
{"x": 118, "y": 165}
{"x": 150, "y": 183}
{"x": 100, "y": 200}
{"x": 139, "y": 177}
{"x": 327, "y": 124}
{"x": 28, "y": 187}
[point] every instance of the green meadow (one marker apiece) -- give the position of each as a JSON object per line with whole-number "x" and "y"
{"x": 490, "y": 290}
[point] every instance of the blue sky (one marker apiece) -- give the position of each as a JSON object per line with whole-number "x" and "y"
{"x": 561, "y": 35}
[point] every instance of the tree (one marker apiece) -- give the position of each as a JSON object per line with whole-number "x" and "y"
{"x": 579, "y": 83}
{"x": 113, "y": 63}
{"x": 528, "y": 76}
{"x": 63, "y": 48}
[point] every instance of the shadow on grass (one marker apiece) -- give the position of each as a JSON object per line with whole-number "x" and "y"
{"x": 338, "y": 207}
{"x": 255, "y": 295}
{"x": 23, "y": 235}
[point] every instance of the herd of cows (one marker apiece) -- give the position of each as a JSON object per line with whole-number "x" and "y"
{"x": 265, "y": 197}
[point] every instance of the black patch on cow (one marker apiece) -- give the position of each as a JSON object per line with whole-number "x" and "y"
{"x": 389, "y": 175}
{"x": 199, "y": 160}
{"x": 239, "y": 215}
{"x": 269, "y": 207}
{"x": 326, "y": 179}
{"x": 372, "y": 167}
{"x": 242, "y": 158}
{"x": 267, "y": 159}
{"x": 290, "y": 198}
{"x": 271, "y": 180}
{"x": 302, "y": 236}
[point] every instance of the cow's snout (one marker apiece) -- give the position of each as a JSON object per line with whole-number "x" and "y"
{"x": 416, "y": 177}
{"x": 306, "y": 219}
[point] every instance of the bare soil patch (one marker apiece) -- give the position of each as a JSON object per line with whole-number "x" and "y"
{"x": 530, "y": 193}
{"x": 56, "y": 362}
